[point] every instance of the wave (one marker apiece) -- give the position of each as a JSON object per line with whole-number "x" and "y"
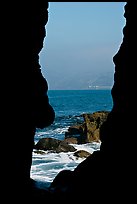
{"x": 47, "y": 165}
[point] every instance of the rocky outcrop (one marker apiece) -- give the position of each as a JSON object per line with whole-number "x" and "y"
{"x": 89, "y": 130}
{"x": 48, "y": 145}
{"x": 54, "y": 145}
{"x": 82, "y": 154}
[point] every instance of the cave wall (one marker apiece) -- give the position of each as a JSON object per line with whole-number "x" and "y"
{"x": 117, "y": 131}
{"x": 26, "y": 90}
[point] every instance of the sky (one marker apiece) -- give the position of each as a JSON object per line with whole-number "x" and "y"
{"x": 81, "y": 40}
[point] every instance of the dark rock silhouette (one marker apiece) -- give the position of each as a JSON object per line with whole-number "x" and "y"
{"x": 27, "y": 103}
{"x": 106, "y": 175}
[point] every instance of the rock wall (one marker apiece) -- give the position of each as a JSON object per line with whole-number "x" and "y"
{"x": 117, "y": 131}
{"x": 27, "y": 104}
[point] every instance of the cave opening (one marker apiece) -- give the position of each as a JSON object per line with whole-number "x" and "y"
{"x": 65, "y": 62}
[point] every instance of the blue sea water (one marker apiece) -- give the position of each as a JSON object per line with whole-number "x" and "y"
{"x": 68, "y": 106}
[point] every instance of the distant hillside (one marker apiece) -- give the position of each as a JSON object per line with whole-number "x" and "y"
{"x": 82, "y": 81}
{"x": 102, "y": 81}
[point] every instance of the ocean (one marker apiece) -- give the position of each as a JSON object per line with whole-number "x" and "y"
{"x": 68, "y": 106}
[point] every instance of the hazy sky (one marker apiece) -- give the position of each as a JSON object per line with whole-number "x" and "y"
{"x": 81, "y": 40}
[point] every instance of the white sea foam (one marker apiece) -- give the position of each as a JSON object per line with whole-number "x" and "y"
{"x": 47, "y": 165}
{"x": 57, "y": 133}
{"x": 48, "y": 132}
